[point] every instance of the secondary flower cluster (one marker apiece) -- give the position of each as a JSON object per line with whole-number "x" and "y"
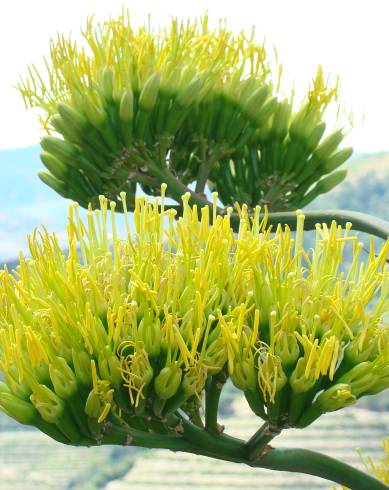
{"x": 132, "y": 107}
{"x": 131, "y": 329}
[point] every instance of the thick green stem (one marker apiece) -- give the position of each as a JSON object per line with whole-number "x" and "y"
{"x": 313, "y": 463}
{"x": 258, "y": 444}
{"x": 212, "y": 396}
{"x": 228, "y": 448}
{"x": 140, "y": 438}
{"x": 219, "y": 446}
{"x": 195, "y": 440}
{"x": 293, "y": 460}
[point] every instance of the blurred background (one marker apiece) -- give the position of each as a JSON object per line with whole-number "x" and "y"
{"x": 350, "y": 39}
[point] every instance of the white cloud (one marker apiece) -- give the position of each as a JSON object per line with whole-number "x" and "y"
{"x": 348, "y": 37}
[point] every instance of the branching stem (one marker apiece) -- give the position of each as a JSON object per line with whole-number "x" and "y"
{"x": 257, "y": 446}
{"x": 212, "y": 396}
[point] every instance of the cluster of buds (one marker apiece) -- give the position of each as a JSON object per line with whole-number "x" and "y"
{"x": 120, "y": 334}
{"x": 187, "y": 103}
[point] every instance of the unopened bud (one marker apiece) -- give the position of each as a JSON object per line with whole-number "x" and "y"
{"x": 361, "y": 378}
{"x": 298, "y": 381}
{"x": 20, "y": 410}
{"x": 287, "y": 349}
{"x": 244, "y": 376}
{"x": 168, "y": 381}
{"x": 82, "y": 367}
{"x": 335, "y": 397}
{"x": 63, "y": 378}
{"x": 49, "y": 405}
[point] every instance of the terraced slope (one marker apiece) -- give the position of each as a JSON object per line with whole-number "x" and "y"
{"x": 30, "y": 460}
{"x": 336, "y": 434}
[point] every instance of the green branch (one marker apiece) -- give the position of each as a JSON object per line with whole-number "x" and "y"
{"x": 316, "y": 464}
{"x": 212, "y": 396}
{"x": 257, "y": 446}
{"x": 256, "y": 453}
{"x": 294, "y": 460}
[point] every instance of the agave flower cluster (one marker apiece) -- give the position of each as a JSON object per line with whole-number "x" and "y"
{"x": 181, "y": 105}
{"x": 127, "y": 333}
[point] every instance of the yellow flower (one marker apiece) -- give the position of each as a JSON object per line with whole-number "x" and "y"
{"x": 131, "y": 327}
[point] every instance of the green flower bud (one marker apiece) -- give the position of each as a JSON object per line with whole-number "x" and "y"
{"x": 299, "y": 129}
{"x": 126, "y": 109}
{"x": 63, "y": 378}
{"x": 149, "y": 93}
{"x": 256, "y": 100}
{"x": 71, "y": 116}
{"x": 336, "y": 160}
{"x": 315, "y": 136}
{"x": 380, "y": 385}
{"x": 42, "y": 373}
{"x": 266, "y": 111}
{"x": 54, "y": 165}
{"x": 287, "y": 349}
{"x": 298, "y": 381}
{"x": 355, "y": 355}
{"x": 21, "y": 389}
{"x": 110, "y": 369}
{"x": 361, "y": 378}
{"x": 59, "y": 148}
{"x": 244, "y": 376}
{"x": 168, "y": 381}
{"x": 265, "y": 301}
{"x": 281, "y": 119}
{"x": 149, "y": 332}
{"x": 57, "y": 185}
{"x": 49, "y": 405}
{"x": 335, "y": 397}
{"x": 323, "y": 186}
{"x": 107, "y": 84}
{"x": 187, "y": 95}
{"x": 328, "y": 183}
{"x": 215, "y": 356}
{"x": 193, "y": 382}
{"x": 18, "y": 409}
{"x": 82, "y": 367}
{"x": 95, "y": 114}
{"x": 329, "y": 145}
{"x": 94, "y": 405}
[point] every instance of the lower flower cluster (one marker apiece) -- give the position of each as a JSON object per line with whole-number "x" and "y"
{"x": 130, "y": 332}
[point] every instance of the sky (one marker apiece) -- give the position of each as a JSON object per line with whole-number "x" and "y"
{"x": 349, "y": 38}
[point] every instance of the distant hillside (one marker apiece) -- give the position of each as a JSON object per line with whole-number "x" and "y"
{"x": 25, "y": 202}
{"x": 366, "y": 189}
{"x": 377, "y": 163}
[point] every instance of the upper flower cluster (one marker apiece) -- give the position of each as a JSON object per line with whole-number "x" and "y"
{"x": 138, "y": 106}
{"x": 133, "y": 328}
